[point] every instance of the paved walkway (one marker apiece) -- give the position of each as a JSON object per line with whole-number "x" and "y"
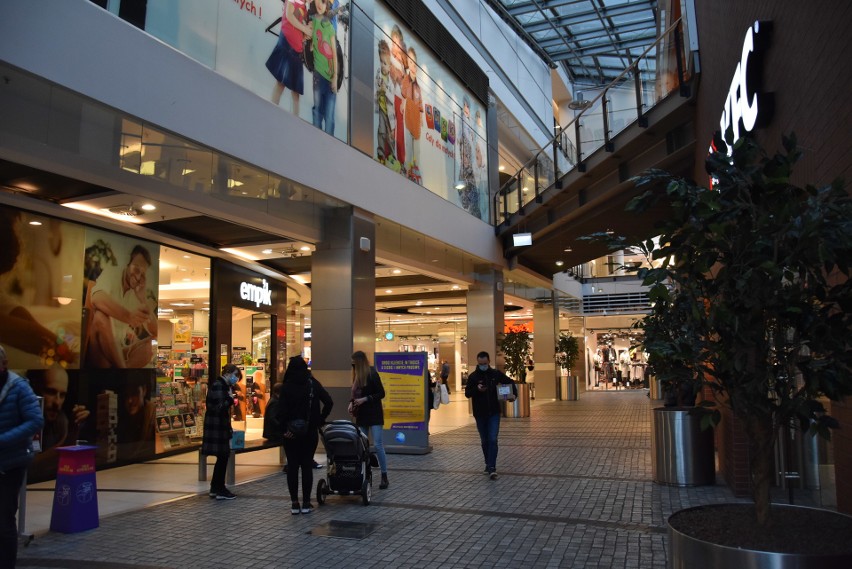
{"x": 574, "y": 490}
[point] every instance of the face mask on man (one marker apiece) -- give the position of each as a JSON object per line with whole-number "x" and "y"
{"x": 483, "y": 367}
{"x": 231, "y": 379}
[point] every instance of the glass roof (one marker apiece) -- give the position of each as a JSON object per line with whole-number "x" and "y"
{"x": 594, "y": 40}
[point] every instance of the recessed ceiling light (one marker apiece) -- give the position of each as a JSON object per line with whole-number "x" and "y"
{"x": 456, "y": 287}
{"x": 149, "y": 207}
{"x": 35, "y": 222}
{"x": 304, "y": 248}
{"x": 266, "y": 251}
{"x": 396, "y": 271}
{"x": 419, "y": 303}
{"x": 187, "y": 256}
{"x": 388, "y": 291}
{"x": 559, "y": 263}
{"x": 568, "y": 249}
{"x": 187, "y": 279}
{"x": 501, "y": 167}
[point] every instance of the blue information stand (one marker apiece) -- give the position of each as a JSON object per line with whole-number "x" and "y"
{"x": 75, "y": 501}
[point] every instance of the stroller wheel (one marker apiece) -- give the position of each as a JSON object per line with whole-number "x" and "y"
{"x": 322, "y": 490}
{"x": 366, "y": 491}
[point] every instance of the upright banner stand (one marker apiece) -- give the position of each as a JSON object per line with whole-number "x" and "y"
{"x": 404, "y": 376}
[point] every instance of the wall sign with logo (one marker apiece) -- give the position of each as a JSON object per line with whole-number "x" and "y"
{"x": 746, "y": 106}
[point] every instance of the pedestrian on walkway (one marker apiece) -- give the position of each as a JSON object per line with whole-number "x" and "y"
{"x": 216, "y": 440}
{"x": 482, "y": 389}
{"x": 20, "y": 419}
{"x": 366, "y": 407}
{"x": 301, "y": 396}
{"x": 445, "y": 374}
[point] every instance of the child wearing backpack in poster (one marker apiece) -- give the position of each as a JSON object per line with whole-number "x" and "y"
{"x": 324, "y": 46}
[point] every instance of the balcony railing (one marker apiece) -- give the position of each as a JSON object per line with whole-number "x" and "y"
{"x": 659, "y": 71}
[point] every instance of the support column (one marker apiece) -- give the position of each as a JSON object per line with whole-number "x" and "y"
{"x": 343, "y": 302}
{"x": 484, "y": 315}
{"x": 448, "y": 349}
{"x": 546, "y": 326}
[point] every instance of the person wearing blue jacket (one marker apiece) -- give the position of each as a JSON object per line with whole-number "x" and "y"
{"x": 481, "y": 388}
{"x": 20, "y": 420}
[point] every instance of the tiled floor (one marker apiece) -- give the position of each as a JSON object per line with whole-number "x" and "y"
{"x": 574, "y": 491}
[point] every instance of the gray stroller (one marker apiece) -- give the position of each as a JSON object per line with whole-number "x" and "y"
{"x": 349, "y": 462}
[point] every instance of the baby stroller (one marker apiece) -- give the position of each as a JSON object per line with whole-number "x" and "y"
{"x": 349, "y": 462}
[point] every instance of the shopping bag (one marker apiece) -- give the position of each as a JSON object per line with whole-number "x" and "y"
{"x": 504, "y": 392}
{"x": 436, "y": 397}
{"x": 445, "y": 395}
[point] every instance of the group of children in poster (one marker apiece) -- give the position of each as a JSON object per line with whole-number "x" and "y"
{"x": 308, "y": 38}
{"x": 400, "y": 108}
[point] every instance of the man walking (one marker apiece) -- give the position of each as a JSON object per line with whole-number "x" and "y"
{"x": 20, "y": 419}
{"x": 482, "y": 389}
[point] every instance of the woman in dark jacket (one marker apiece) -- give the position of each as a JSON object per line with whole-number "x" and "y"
{"x": 301, "y": 395}
{"x": 216, "y": 440}
{"x": 366, "y": 406}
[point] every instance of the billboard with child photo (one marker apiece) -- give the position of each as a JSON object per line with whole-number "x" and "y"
{"x": 428, "y": 127}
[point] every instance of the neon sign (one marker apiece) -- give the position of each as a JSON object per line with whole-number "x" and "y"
{"x": 746, "y": 107}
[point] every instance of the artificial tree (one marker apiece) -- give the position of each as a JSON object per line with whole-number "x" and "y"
{"x": 754, "y": 294}
{"x": 567, "y": 350}
{"x": 515, "y": 347}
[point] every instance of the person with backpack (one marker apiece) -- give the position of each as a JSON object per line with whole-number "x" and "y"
{"x": 326, "y": 66}
{"x": 300, "y": 417}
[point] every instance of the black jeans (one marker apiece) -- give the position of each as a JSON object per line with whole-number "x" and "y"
{"x": 217, "y": 482}
{"x": 10, "y": 486}
{"x": 300, "y": 457}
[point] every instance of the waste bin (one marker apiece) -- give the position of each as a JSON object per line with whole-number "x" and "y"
{"x": 569, "y": 388}
{"x": 75, "y": 501}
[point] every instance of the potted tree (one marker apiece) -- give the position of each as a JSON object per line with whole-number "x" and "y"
{"x": 515, "y": 346}
{"x": 758, "y": 289}
{"x": 567, "y": 351}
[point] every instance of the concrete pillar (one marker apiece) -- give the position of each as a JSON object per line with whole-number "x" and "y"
{"x": 546, "y": 326}
{"x": 343, "y": 302}
{"x": 484, "y": 314}
{"x": 449, "y": 340}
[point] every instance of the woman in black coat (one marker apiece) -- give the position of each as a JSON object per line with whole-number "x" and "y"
{"x": 216, "y": 440}
{"x": 366, "y": 407}
{"x": 301, "y": 395}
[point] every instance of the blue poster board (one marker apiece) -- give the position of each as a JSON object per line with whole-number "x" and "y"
{"x": 404, "y": 377}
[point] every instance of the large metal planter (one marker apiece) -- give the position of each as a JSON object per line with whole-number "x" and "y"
{"x": 683, "y": 454}
{"x": 520, "y": 407}
{"x": 687, "y": 552}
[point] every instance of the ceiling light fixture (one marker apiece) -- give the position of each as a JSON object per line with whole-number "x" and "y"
{"x": 149, "y": 207}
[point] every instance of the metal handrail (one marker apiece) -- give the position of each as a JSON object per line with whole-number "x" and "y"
{"x": 554, "y": 143}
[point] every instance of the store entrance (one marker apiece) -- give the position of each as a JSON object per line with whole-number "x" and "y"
{"x": 619, "y": 362}
{"x": 251, "y": 342}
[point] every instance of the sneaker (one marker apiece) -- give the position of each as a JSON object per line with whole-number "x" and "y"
{"x": 307, "y": 507}
{"x": 294, "y": 508}
{"x": 486, "y": 472}
{"x": 213, "y": 493}
{"x": 225, "y": 494}
{"x": 284, "y": 470}
{"x": 493, "y": 475}
{"x": 318, "y": 465}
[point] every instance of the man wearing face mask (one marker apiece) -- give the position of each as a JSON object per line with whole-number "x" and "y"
{"x": 482, "y": 389}
{"x": 216, "y": 440}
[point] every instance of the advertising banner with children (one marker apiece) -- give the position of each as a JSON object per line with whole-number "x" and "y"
{"x": 291, "y": 52}
{"x": 428, "y": 127}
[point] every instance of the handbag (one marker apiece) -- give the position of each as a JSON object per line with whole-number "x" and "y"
{"x": 299, "y": 427}
{"x": 15, "y": 458}
{"x": 445, "y": 395}
{"x": 436, "y": 396}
